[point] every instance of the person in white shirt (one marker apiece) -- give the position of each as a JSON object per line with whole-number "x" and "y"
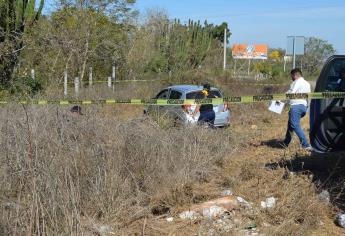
{"x": 298, "y": 109}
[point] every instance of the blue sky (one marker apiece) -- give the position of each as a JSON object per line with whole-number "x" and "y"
{"x": 263, "y": 21}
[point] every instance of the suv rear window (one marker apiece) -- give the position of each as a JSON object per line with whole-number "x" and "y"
{"x": 192, "y": 95}
{"x": 335, "y": 78}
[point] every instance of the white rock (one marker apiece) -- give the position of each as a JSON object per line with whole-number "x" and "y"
{"x": 244, "y": 202}
{"x": 227, "y": 192}
{"x": 240, "y": 199}
{"x": 268, "y": 203}
{"x": 227, "y": 228}
{"x": 213, "y": 211}
{"x": 340, "y": 219}
{"x": 170, "y": 219}
{"x": 189, "y": 215}
{"x": 324, "y": 196}
{"x": 105, "y": 230}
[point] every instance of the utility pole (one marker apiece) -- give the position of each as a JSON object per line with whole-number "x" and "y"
{"x": 225, "y": 46}
{"x": 295, "y": 47}
{"x": 294, "y": 53}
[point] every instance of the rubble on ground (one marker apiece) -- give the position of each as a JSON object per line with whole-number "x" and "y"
{"x": 227, "y": 192}
{"x": 222, "y": 216}
{"x": 244, "y": 203}
{"x": 211, "y": 209}
{"x": 324, "y": 196}
{"x": 268, "y": 203}
{"x": 340, "y": 220}
{"x": 189, "y": 215}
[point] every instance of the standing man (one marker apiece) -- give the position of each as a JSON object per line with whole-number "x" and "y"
{"x": 298, "y": 109}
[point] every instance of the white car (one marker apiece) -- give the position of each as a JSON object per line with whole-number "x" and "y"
{"x": 183, "y": 113}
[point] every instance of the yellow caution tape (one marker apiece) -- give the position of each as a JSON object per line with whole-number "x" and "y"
{"x": 162, "y": 80}
{"x": 254, "y": 84}
{"x": 174, "y": 102}
{"x": 122, "y": 81}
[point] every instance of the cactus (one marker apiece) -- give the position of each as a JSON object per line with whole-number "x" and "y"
{"x": 189, "y": 44}
{"x": 19, "y": 13}
{"x": 25, "y": 12}
{"x": 15, "y": 17}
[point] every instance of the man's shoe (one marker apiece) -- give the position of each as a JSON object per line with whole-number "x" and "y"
{"x": 308, "y": 148}
{"x": 282, "y": 145}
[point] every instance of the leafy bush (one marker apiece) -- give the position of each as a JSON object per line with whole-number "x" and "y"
{"x": 25, "y": 86}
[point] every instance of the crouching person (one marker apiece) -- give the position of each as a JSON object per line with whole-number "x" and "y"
{"x": 207, "y": 114}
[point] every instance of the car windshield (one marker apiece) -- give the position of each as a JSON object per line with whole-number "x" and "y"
{"x": 193, "y": 95}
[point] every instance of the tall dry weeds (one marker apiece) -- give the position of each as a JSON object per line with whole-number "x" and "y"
{"x": 60, "y": 172}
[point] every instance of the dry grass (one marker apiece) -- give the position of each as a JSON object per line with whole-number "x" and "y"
{"x": 102, "y": 91}
{"x": 59, "y": 172}
{"x": 67, "y": 175}
{"x": 298, "y": 211}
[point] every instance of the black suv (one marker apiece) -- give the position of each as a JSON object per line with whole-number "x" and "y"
{"x": 327, "y": 116}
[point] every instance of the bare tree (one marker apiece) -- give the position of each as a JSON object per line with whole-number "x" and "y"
{"x": 316, "y": 52}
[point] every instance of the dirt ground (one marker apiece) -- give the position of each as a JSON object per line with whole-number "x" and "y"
{"x": 248, "y": 174}
{"x": 261, "y": 149}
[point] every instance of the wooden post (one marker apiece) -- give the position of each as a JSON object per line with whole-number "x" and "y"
{"x": 249, "y": 66}
{"x": 113, "y": 76}
{"x": 65, "y": 84}
{"x": 90, "y": 76}
{"x": 225, "y": 46}
{"x": 76, "y": 86}
{"x": 109, "y": 82}
{"x": 33, "y": 73}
